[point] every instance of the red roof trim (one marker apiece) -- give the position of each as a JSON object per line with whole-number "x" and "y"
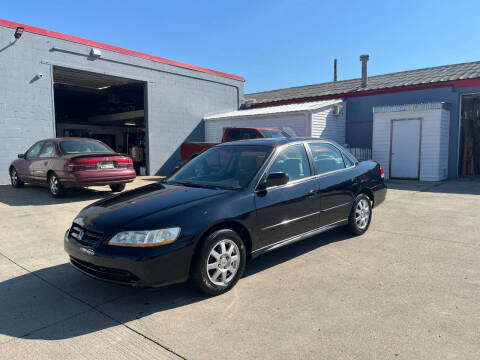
{"x": 454, "y": 83}
{"x": 78, "y": 40}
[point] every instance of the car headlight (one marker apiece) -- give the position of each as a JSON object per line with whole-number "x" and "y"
{"x": 145, "y": 238}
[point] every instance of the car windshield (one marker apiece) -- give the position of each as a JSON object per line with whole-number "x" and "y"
{"x": 83, "y": 146}
{"x": 224, "y": 167}
{"x": 274, "y": 134}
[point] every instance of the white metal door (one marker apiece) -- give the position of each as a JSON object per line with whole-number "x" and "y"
{"x": 405, "y": 153}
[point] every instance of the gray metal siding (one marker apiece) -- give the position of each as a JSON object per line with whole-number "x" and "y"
{"x": 328, "y": 126}
{"x": 360, "y": 116}
{"x": 178, "y": 98}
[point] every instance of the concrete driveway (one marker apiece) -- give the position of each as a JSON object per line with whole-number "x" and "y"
{"x": 408, "y": 289}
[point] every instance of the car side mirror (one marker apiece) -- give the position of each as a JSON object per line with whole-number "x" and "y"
{"x": 274, "y": 179}
{"x": 21, "y": 156}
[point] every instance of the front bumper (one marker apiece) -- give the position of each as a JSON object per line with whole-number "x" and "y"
{"x": 142, "y": 267}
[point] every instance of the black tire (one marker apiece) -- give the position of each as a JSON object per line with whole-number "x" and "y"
{"x": 57, "y": 190}
{"x": 14, "y": 179}
{"x": 202, "y": 278}
{"x": 117, "y": 187}
{"x": 358, "y": 224}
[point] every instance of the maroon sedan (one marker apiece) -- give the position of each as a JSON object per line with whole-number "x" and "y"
{"x": 71, "y": 162}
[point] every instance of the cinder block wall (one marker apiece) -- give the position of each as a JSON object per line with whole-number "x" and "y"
{"x": 177, "y": 98}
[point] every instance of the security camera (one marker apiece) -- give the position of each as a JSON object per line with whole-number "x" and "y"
{"x": 39, "y": 75}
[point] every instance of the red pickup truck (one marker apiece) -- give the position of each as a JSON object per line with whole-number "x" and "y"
{"x": 189, "y": 150}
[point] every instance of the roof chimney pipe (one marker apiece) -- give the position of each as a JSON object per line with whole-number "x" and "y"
{"x": 364, "y": 59}
{"x": 334, "y": 69}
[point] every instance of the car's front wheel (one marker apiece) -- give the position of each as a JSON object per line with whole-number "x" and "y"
{"x": 117, "y": 187}
{"x": 220, "y": 262}
{"x": 360, "y": 215}
{"x": 14, "y": 179}
{"x": 55, "y": 186}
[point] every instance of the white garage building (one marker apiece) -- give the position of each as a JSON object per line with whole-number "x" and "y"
{"x": 318, "y": 119}
{"x": 411, "y": 141}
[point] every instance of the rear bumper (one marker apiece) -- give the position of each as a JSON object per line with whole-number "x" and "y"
{"x": 379, "y": 193}
{"x": 97, "y": 177}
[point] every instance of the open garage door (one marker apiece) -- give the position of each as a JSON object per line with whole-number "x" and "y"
{"x": 107, "y": 108}
{"x": 469, "y": 149}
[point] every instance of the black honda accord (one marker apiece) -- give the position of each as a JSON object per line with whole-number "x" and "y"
{"x": 226, "y": 206}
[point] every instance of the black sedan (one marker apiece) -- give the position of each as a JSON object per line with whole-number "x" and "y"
{"x": 226, "y": 206}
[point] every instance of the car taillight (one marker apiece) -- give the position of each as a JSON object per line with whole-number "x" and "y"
{"x": 83, "y": 164}
{"x": 382, "y": 172}
{"x": 125, "y": 162}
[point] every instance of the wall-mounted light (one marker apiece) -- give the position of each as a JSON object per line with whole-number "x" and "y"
{"x": 130, "y": 124}
{"x": 95, "y": 52}
{"x": 103, "y": 87}
{"x": 18, "y": 32}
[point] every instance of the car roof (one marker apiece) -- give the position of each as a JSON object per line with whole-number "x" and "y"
{"x": 252, "y": 128}
{"x": 273, "y": 142}
{"x": 57, "y": 140}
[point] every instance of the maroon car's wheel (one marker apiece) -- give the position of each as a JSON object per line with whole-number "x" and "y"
{"x": 15, "y": 180}
{"x": 56, "y": 188}
{"x": 117, "y": 187}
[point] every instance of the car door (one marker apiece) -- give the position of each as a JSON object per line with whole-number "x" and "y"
{"x": 30, "y": 157}
{"x": 44, "y": 161}
{"x": 291, "y": 209}
{"x": 336, "y": 176}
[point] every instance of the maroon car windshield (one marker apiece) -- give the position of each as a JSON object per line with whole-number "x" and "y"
{"x": 83, "y": 146}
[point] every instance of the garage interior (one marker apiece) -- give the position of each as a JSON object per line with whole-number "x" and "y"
{"x": 107, "y": 108}
{"x": 469, "y": 161}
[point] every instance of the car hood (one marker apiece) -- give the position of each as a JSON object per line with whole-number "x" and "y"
{"x": 116, "y": 212}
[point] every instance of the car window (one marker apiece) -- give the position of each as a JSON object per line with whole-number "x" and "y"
{"x": 34, "y": 150}
{"x": 274, "y": 134}
{"x": 326, "y": 157}
{"x": 347, "y": 161}
{"x": 226, "y": 166}
{"x": 241, "y": 134}
{"x": 48, "y": 150}
{"x": 84, "y": 146}
{"x": 292, "y": 161}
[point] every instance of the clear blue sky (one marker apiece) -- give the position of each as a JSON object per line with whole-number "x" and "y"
{"x": 273, "y": 44}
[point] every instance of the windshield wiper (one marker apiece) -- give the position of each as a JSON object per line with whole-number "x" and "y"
{"x": 206, "y": 186}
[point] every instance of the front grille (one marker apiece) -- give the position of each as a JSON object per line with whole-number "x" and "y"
{"x": 104, "y": 273}
{"x": 84, "y": 236}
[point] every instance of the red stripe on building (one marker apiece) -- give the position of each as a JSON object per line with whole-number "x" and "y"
{"x": 57, "y": 35}
{"x": 453, "y": 83}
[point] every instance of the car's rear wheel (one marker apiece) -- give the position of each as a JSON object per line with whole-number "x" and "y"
{"x": 117, "y": 187}
{"x": 360, "y": 215}
{"x": 55, "y": 186}
{"x": 220, "y": 262}
{"x": 14, "y": 179}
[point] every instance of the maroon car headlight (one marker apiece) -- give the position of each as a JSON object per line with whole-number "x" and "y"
{"x": 145, "y": 238}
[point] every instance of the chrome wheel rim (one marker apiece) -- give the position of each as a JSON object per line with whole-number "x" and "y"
{"x": 362, "y": 214}
{"x": 223, "y": 262}
{"x": 54, "y": 184}
{"x": 14, "y": 177}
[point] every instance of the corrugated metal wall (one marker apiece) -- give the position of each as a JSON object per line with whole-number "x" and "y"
{"x": 329, "y": 126}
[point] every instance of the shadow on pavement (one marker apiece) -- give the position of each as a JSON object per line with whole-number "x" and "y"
{"x": 32, "y": 195}
{"x": 32, "y": 308}
{"x": 463, "y": 186}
